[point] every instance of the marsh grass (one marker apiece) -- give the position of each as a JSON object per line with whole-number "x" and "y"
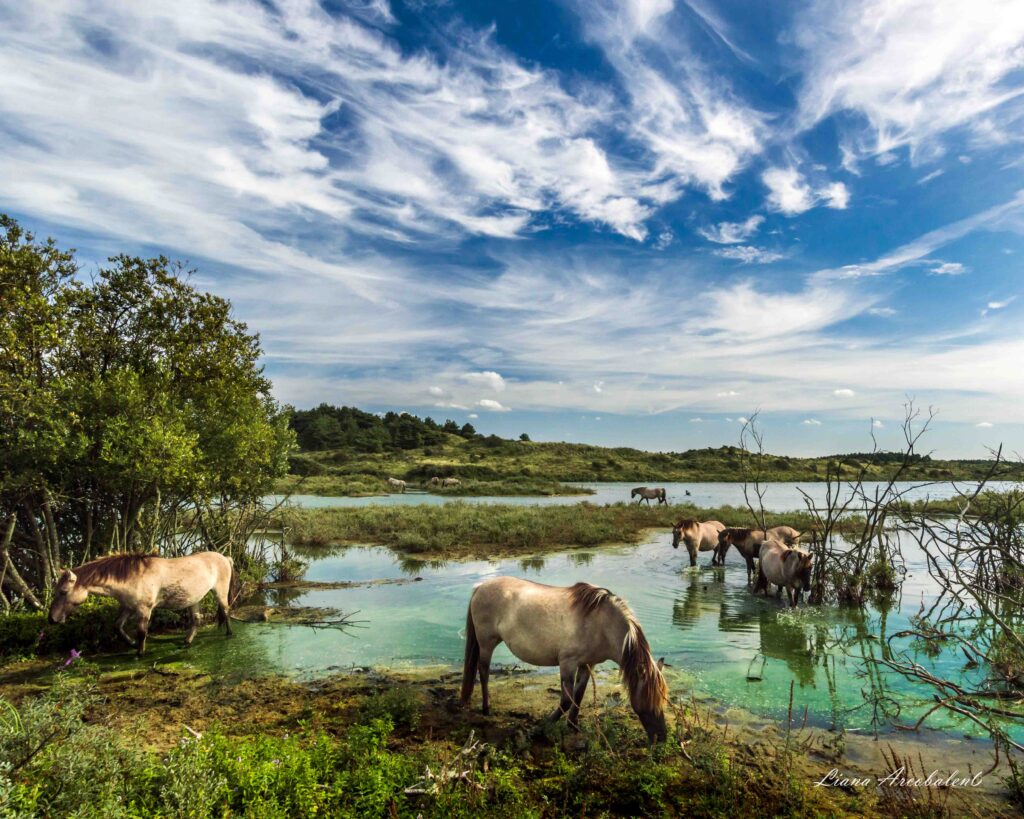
{"x": 463, "y": 529}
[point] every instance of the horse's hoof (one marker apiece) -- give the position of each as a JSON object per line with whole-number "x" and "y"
{"x": 485, "y": 711}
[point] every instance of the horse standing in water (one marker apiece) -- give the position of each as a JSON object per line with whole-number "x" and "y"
{"x": 396, "y": 484}
{"x": 748, "y": 543}
{"x": 141, "y": 583}
{"x": 573, "y": 627}
{"x": 648, "y": 494}
{"x": 698, "y": 537}
{"x": 787, "y": 568}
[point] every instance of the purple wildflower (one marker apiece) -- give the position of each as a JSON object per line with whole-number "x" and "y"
{"x": 74, "y": 655}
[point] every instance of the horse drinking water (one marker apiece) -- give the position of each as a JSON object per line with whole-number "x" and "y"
{"x": 141, "y": 583}
{"x": 572, "y": 627}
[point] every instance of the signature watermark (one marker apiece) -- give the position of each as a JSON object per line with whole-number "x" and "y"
{"x": 900, "y": 778}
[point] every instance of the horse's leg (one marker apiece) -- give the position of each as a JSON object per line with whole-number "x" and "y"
{"x": 193, "y": 624}
{"x": 484, "y": 666}
{"x": 122, "y": 618}
{"x": 578, "y": 692}
{"x": 567, "y": 675}
{"x": 142, "y": 629}
{"x": 693, "y": 554}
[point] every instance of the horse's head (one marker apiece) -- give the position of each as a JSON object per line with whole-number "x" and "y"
{"x": 797, "y": 564}
{"x": 682, "y": 530}
{"x": 654, "y": 724}
{"x": 677, "y": 533}
{"x": 67, "y": 596}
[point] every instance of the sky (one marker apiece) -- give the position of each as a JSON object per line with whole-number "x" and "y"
{"x": 630, "y": 223}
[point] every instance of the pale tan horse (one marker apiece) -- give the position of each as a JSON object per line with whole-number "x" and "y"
{"x": 648, "y": 494}
{"x": 141, "y": 583}
{"x": 786, "y": 568}
{"x": 451, "y": 482}
{"x": 748, "y": 543}
{"x": 698, "y": 537}
{"x": 575, "y": 628}
{"x": 396, "y": 484}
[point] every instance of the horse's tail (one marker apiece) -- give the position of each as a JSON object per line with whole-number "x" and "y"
{"x": 472, "y": 660}
{"x": 234, "y": 589}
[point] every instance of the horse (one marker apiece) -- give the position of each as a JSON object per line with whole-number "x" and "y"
{"x": 785, "y": 567}
{"x": 648, "y": 494}
{"x": 435, "y": 481}
{"x": 748, "y": 543}
{"x": 141, "y": 583}
{"x": 698, "y": 537}
{"x": 451, "y": 482}
{"x": 395, "y": 483}
{"x": 575, "y": 628}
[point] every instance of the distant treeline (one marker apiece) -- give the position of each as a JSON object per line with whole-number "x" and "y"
{"x": 329, "y": 427}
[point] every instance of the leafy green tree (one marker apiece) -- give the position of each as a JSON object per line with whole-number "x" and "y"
{"x": 132, "y": 407}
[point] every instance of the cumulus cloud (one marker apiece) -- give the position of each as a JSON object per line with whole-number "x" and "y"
{"x": 437, "y": 392}
{"x": 984, "y": 424}
{"x": 811, "y": 422}
{"x": 789, "y": 192}
{"x": 748, "y": 254}
{"x": 727, "y": 394}
{"x": 696, "y": 420}
{"x": 488, "y": 378}
{"x": 473, "y": 416}
{"x": 843, "y": 392}
{"x": 876, "y": 424}
{"x": 731, "y": 233}
{"x": 993, "y": 306}
{"x": 491, "y": 405}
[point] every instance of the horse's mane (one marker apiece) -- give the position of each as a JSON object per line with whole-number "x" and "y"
{"x": 686, "y": 523}
{"x": 112, "y": 567}
{"x": 644, "y": 681}
{"x": 741, "y": 533}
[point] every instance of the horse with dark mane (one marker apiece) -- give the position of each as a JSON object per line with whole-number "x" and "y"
{"x": 648, "y": 494}
{"x": 698, "y": 536}
{"x": 141, "y": 583}
{"x": 575, "y": 628}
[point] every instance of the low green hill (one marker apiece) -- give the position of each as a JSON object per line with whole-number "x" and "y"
{"x": 348, "y": 451}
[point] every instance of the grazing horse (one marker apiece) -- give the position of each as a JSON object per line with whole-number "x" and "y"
{"x": 141, "y": 583}
{"x": 395, "y": 483}
{"x": 784, "y": 534}
{"x": 435, "y": 481}
{"x": 451, "y": 482}
{"x": 785, "y": 567}
{"x": 573, "y": 627}
{"x": 648, "y": 494}
{"x": 698, "y": 537}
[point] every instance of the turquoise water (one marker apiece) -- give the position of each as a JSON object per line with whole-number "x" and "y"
{"x": 779, "y": 497}
{"x": 711, "y": 630}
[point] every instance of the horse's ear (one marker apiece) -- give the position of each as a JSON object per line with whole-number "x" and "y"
{"x": 789, "y": 555}
{"x": 68, "y": 575}
{"x": 806, "y": 560}
{"x": 661, "y": 663}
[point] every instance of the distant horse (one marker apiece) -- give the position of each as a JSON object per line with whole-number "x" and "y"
{"x": 748, "y": 543}
{"x": 698, "y": 537}
{"x": 451, "y": 482}
{"x": 141, "y": 583}
{"x": 435, "y": 481}
{"x": 786, "y": 568}
{"x": 395, "y": 483}
{"x": 648, "y": 494}
{"x": 573, "y": 627}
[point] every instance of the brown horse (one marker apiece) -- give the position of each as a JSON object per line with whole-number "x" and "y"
{"x": 698, "y": 537}
{"x": 141, "y": 583}
{"x": 748, "y": 543}
{"x": 573, "y": 627}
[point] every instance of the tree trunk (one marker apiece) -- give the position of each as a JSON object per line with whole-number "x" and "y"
{"x": 11, "y": 578}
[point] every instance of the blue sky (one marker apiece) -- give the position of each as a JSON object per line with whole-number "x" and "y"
{"x": 628, "y": 223}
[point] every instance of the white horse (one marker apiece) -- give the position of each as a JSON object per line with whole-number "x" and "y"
{"x": 698, "y": 537}
{"x": 573, "y": 627}
{"x": 451, "y": 482}
{"x": 396, "y": 484}
{"x": 786, "y": 568}
{"x": 141, "y": 583}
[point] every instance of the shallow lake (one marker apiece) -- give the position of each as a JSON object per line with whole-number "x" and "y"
{"x": 779, "y": 497}
{"x": 711, "y": 630}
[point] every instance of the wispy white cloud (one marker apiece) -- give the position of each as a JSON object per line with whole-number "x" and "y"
{"x": 491, "y": 405}
{"x": 984, "y": 425}
{"x": 843, "y": 392}
{"x": 811, "y": 422}
{"x": 913, "y": 69}
{"x": 995, "y": 305}
{"x": 947, "y": 269}
{"x": 731, "y": 233}
{"x": 882, "y": 312}
{"x": 749, "y": 254}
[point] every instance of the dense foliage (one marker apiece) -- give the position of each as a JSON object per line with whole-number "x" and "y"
{"x": 132, "y": 409}
{"x": 329, "y": 427}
